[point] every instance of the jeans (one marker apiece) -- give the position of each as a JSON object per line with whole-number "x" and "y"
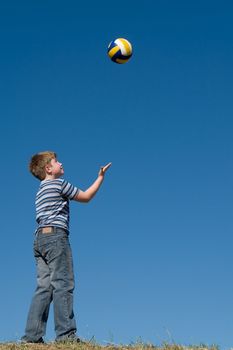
{"x": 55, "y": 282}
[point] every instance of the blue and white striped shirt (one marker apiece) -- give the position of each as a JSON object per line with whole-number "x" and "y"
{"x": 52, "y": 203}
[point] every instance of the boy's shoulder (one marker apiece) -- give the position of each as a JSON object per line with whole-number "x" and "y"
{"x": 52, "y": 183}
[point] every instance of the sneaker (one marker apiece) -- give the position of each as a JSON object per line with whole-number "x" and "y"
{"x": 25, "y": 340}
{"x": 71, "y": 338}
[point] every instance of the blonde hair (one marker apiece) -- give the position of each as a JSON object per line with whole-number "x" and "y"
{"x": 38, "y": 163}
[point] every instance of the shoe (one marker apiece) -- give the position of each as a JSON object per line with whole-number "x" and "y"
{"x": 71, "y": 338}
{"x": 25, "y": 340}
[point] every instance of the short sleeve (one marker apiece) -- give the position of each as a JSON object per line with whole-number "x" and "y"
{"x": 68, "y": 190}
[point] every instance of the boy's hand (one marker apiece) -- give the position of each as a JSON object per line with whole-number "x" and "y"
{"x": 103, "y": 169}
{"x": 86, "y": 196}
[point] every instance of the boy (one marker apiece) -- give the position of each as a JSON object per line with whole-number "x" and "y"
{"x": 55, "y": 278}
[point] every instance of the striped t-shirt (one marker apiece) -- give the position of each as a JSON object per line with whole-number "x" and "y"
{"x": 52, "y": 203}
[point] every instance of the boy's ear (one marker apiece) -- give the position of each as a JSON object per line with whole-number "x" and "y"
{"x": 48, "y": 169}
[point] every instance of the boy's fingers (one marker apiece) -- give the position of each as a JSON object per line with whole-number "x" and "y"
{"x": 106, "y": 166}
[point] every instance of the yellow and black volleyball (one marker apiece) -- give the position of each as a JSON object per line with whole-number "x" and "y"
{"x": 120, "y": 50}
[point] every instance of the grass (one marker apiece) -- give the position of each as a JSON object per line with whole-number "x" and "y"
{"x": 92, "y": 346}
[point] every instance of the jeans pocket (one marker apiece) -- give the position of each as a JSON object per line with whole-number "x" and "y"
{"x": 56, "y": 248}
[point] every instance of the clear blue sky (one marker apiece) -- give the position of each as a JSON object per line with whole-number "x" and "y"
{"x": 153, "y": 252}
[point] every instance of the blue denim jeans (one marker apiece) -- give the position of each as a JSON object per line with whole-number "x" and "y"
{"x": 55, "y": 282}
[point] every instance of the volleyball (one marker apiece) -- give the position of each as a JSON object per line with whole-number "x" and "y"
{"x": 120, "y": 50}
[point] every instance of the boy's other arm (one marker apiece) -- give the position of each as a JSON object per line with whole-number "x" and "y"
{"x": 86, "y": 196}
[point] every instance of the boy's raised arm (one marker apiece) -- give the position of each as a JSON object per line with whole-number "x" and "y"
{"x": 86, "y": 196}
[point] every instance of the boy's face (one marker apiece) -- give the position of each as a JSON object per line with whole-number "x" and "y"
{"x": 55, "y": 168}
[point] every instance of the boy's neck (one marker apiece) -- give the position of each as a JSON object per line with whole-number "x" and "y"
{"x": 51, "y": 177}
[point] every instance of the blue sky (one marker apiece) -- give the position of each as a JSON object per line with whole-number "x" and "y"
{"x": 153, "y": 250}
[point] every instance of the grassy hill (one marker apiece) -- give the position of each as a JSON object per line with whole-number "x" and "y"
{"x": 70, "y": 346}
